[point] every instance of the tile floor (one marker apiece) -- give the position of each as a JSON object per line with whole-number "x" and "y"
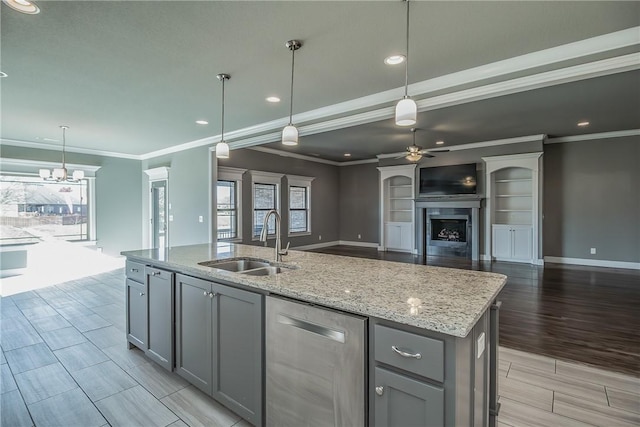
{"x": 64, "y": 362}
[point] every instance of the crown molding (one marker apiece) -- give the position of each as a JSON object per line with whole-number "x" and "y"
{"x": 24, "y": 166}
{"x": 283, "y": 153}
{"x": 592, "y": 136}
{"x": 68, "y": 149}
{"x": 473, "y": 145}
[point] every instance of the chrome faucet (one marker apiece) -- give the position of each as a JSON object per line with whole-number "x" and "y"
{"x": 265, "y": 231}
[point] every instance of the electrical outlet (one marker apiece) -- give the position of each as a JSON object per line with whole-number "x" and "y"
{"x": 200, "y": 219}
{"x": 319, "y": 236}
{"x": 359, "y": 236}
{"x": 170, "y": 218}
{"x": 593, "y": 251}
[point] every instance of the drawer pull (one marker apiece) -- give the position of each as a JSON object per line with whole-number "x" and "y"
{"x": 380, "y": 390}
{"x": 141, "y": 294}
{"x": 134, "y": 270}
{"x": 405, "y": 354}
{"x": 156, "y": 273}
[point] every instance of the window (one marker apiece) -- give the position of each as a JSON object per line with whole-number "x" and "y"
{"x": 266, "y": 196}
{"x": 227, "y": 210}
{"x": 228, "y": 203}
{"x": 299, "y": 201}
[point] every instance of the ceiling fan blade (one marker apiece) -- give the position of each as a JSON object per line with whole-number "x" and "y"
{"x": 441, "y": 150}
{"x": 427, "y": 155}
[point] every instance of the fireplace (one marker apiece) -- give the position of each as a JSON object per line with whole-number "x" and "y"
{"x": 448, "y": 227}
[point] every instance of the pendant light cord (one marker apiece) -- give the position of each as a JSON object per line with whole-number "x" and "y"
{"x": 406, "y": 68}
{"x": 222, "y": 125}
{"x": 64, "y": 132}
{"x": 293, "y": 61}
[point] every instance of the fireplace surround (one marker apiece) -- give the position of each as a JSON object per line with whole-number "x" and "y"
{"x": 448, "y": 227}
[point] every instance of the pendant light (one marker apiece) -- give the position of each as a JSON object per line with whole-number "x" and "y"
{"x": 290, "y": 132}
{"x": 406, "y": 108}
{"x": 222, "y": 148}
{"x": 60, "y": 174}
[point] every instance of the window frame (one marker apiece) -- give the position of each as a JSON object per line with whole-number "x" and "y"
{"x": 229, "y": 174}
{"x": 267, "y": 178}
{"x": 301, "y": 182}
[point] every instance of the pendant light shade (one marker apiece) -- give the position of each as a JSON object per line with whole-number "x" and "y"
{"x": 406, "y": 109}
{"x": 406, "y": 112}
{"x": 222, "y": 148}
{"x": 290, "y": 132}
{"x": 290, "y": 135}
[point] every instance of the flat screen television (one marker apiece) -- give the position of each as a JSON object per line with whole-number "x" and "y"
{"x": 448, "y": 180}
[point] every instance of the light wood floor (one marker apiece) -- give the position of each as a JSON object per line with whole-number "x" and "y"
{"x": 64, "y": 362}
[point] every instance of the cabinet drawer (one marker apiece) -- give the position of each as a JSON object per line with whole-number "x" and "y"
{"x": 414, "y": 353}
{"x": 135, "y": 271}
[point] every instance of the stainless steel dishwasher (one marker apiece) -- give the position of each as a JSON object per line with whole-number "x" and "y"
{"x": 315, "y": 363}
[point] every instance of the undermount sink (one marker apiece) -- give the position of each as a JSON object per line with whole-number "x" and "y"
{"x": 264, "y": 271}
{"x": 236, "y": 265}
{"x": 249, "y": 266}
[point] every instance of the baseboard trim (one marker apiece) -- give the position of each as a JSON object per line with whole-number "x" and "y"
{"x": 361, "y": 244}
{"x": 593, "y": 262}
{"x": 316, "y": 246}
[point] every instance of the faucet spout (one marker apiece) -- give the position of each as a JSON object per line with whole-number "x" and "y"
{"x": 265, "y": 232}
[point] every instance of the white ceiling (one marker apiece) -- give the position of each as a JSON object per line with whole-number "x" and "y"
{"x": 132, "y": 77}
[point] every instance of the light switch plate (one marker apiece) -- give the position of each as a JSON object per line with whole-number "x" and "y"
{"x": 480, "y": 345}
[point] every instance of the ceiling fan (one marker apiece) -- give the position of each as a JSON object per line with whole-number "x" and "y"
{"x": 415, "y": 152}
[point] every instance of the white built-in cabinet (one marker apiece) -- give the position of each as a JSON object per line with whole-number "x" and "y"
{"x": 513, "y": 207}
{"x": 397, "y": 211}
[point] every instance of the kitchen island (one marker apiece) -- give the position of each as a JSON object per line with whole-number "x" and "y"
{"x": 428, "y": 345}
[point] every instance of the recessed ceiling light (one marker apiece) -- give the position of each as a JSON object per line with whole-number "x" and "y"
{"x": 23, "y": 6}
{"x": 2, "y": 74}
{"x": 394, "y": 59}
{"x": 273, "y": 99}
{"x": 583, "y": 123}
{"x": 202, "y": 122}
{"x": 347, "y": 154}
{"x": 439, "y": 142}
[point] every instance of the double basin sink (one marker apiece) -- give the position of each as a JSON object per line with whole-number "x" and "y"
{"x": 248, "y": 266}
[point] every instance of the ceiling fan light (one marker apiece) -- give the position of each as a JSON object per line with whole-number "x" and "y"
{"x": 44, "y": 173}
{"x": 406, "y": 112}
{"x": 222, "y": 150}
{"x": 413, "y": 157}
{"x": 290, "y": 135}
{"x": 78, "y": 175}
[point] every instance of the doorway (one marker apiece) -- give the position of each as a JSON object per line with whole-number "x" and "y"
{"x": 159, "y": 204}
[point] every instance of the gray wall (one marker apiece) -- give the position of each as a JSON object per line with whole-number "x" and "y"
{"x": 118, "y": 201}
{"x": 324, "y": 193}
{"x": 592, "y": 199}
{"x": 189, "y": 188}
{"x": 359, "y": 203}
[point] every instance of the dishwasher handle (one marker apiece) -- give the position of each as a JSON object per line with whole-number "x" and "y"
{"x": 314, "y": 328}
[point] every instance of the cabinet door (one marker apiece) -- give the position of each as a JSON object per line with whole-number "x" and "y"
{"x": 404, "y": 401}
{"x": 393, "y": 236}
{"x": 160, "y": 312}
{"x": 193, "y": 331}
{"x": 137, "y": 314}
{"x": 237, "y": 351}
{"x": 501, "y": 247}
{"x": 522, "y": 243}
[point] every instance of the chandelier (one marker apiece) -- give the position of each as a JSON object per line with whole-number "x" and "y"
{"x": 60, "y": 174}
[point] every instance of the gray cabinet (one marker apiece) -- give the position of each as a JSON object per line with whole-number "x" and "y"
{"x": 219, "y": 343}
{"x": 160, "y": 336}
{"x": 136, "y": 303}
{"x": 404, "y": 401}
{"x": 149, "y": 305}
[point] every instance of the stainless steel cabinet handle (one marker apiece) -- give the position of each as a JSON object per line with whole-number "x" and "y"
{"x": 206, "y": 294}
{"x": 379, "y": 390}
{"x": 156, "y": 273}
{"x": 405, "y": 354}
{"x": 211, "y": 295}
{"x": 141, "y": 294}
{"x": 134, "y": 270}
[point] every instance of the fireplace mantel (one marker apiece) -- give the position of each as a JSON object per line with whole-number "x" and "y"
{"x": 448, "y": 202}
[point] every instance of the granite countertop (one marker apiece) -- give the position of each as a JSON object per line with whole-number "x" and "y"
{"x": 438, "y": 299}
